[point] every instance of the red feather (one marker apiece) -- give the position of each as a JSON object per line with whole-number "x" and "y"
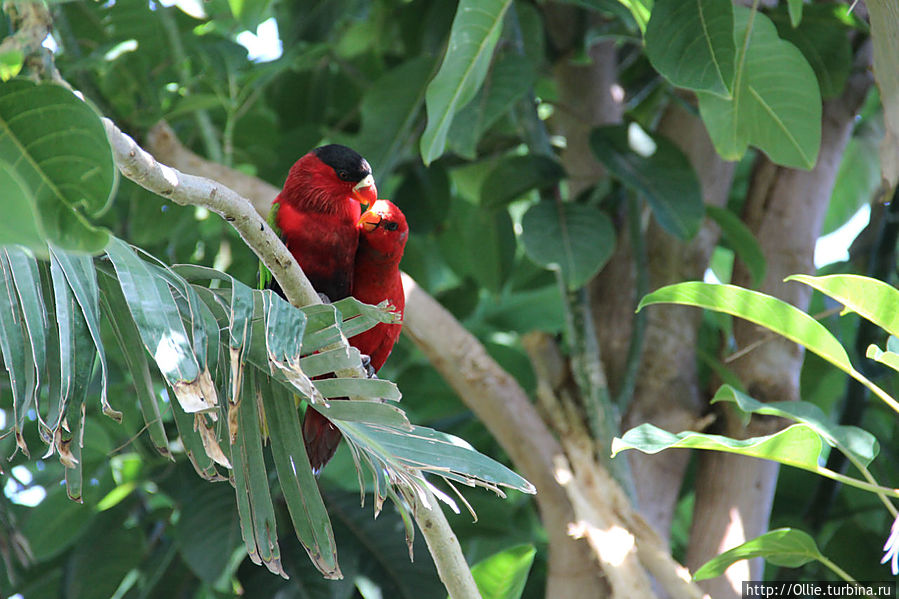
{"x": 317, "y": 217}
{"x": 382, "y": 238}
{"x": 377, "y": 275}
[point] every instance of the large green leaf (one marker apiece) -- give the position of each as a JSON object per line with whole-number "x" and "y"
{"x": 473, "y": 37}
{"x": 776, "y": 103}
{"x": 115, "y": 549}
{"x": 764, "y": 310}
{"x": 55, "y": 166}
{"x": 692, "y": 44}
{"x": 857, "y": 180}
{"x": 823, "y": 38}
{"x": 851, "y": 440}
{"x": 573, "y": 238}
{"x": 871, "y": 299}
{"x": 504, "y": 574}
{"x": 661, "y": 173}
{"x": 491, "y": 232}
{"x": 797, "y": 445}
{"x": 206, "y": 550}
{"x": 786, "y": 547}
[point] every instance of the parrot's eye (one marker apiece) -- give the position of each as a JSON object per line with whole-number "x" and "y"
{"x": 344, "y": 175}
{"x": 391, "y": 226}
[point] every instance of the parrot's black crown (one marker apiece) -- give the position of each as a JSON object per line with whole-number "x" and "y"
{"x": 347, "y": 163}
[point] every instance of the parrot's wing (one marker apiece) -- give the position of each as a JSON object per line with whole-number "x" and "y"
{"x": 265, "y": 275}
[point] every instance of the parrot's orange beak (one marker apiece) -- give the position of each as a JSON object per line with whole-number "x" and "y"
{"x": 365, "y": 191}
{"x": 369, "y": 219}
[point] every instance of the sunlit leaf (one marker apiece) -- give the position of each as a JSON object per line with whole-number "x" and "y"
{"x": 870, "y": 298}
{"x": 861, "y": 444}
{"x": 504, "y": 574}
{"x": 764, "y": 310}
{"x": 786, "y": 547}
{"x": 475, "y": 31}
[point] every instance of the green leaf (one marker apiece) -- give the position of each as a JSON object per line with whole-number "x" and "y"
{"x": 871, "y": 299}
{"x": 572, "y": 238}
{"x": 304, "y": 502}
{"x": 692, "y": 44}
{"x": 776, "y": 104}
{"x": 887, "y": 358}
{"x": 56, "y": 524}
{"x": 115, "y": 549}
{"x": 851, "y": 440}
{"x": 128, "y": 337}
{"x": 764, "y": 310}
{"x": 254, "y": 502}
{"x": 206, "y": 550}
{"x": 432, "y": 451}
{"x": 11, "y": 63}
{"x": 389, "y": 109}
{"x": 491, "y": 232}
{"x": 504, "y": 574}
{"x": 370, "y": 412}
{"x": 55, "y": 165}
{"x": 785, "y": 547}
{"x": 797, "y": 445}
{"x": 740, "y": 238}
{"x": 158, "y": 319}
{"x": 350, "y": 387}
{"x": 823, "y": 38}
{"x": 475, "y": 31}
{"x": 510, "y": 78}
{"x": 82, "y": 280}
{"x": 12, "y": 344}
{"x": 795, "y": 9}
{"x": 661, "y": 173}
{"x": 515, "y": 176}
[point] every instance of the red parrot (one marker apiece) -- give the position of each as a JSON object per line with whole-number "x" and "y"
{"x": 317, "y": 211}
{"x": 376, "y": 277}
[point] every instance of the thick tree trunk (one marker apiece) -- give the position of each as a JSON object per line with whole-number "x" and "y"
{"x": 785, "y": 209}
{"x": 667, "y": 393}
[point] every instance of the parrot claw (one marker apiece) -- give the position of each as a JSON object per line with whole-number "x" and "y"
{"x": 369, "y": 369}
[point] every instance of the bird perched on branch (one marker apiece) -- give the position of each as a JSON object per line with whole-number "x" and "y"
{"x": 316, "y": 215}
{"x": 376, "y": 277}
